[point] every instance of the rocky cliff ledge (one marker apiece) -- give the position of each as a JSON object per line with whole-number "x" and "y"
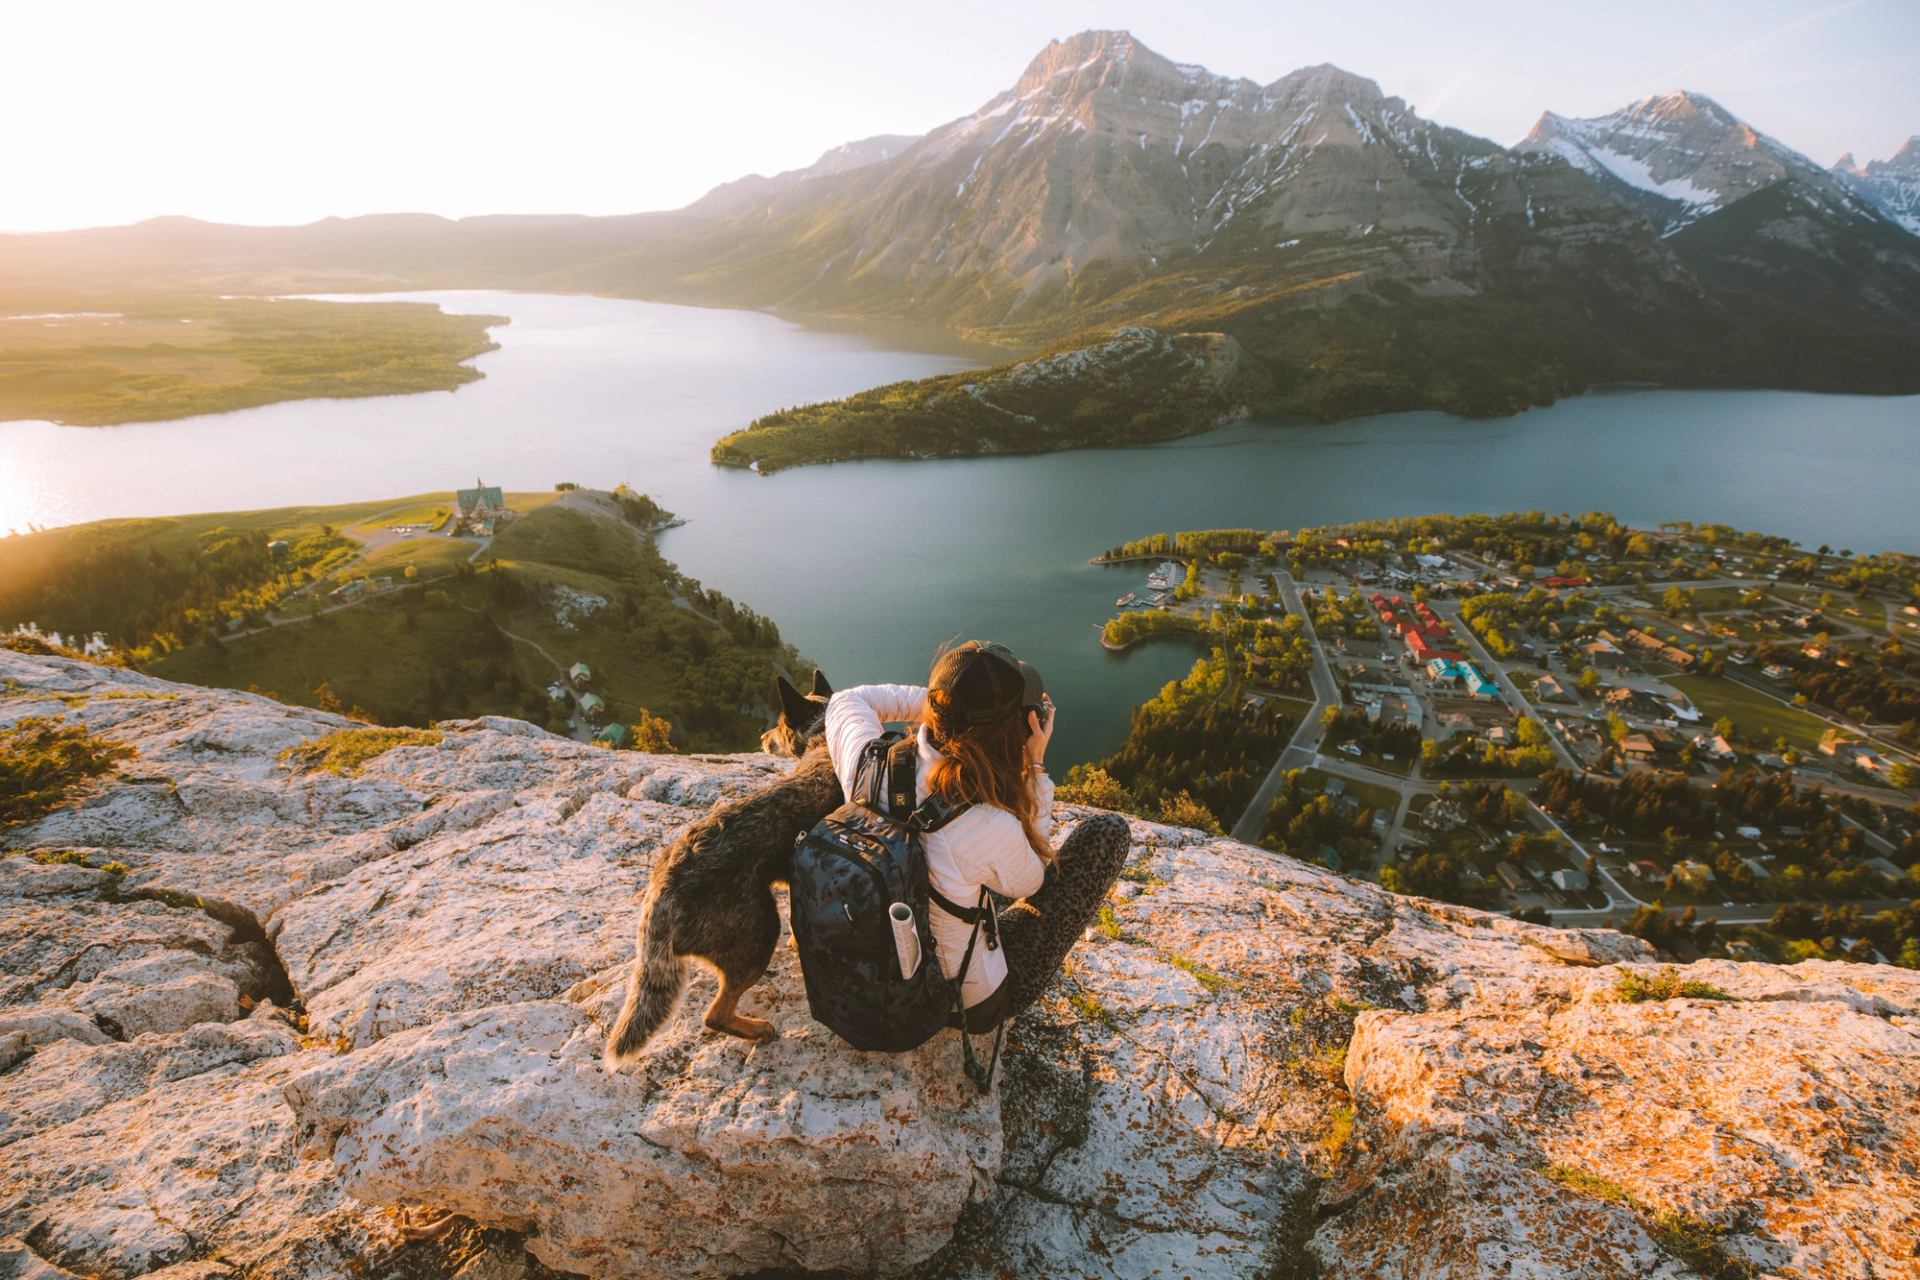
{"x": 250, "y": 1016}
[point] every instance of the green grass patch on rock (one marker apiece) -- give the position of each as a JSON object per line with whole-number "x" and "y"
{"x": 1667, "y": 984}
{"x": 346, "y": 751}
{"x": 44, "y": 760}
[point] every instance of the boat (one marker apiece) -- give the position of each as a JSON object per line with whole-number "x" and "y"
{"x": 1126, "y": 600}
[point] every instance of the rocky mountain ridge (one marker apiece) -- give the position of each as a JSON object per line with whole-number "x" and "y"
{"x": 251, "y": 1014}
{"x": 1676, "y": 156}
{"x": 1893, "y": 186}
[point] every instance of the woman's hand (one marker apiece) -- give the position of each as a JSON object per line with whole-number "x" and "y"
{"x": 1040, "y": 732}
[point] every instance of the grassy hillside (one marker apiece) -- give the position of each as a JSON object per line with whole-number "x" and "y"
{"x": 475, "y": 629}
{"x": 106, "y": 359}
{"x": 1138, "y": 385}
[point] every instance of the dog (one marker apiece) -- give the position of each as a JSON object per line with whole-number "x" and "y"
{"x": 710, "y": 897}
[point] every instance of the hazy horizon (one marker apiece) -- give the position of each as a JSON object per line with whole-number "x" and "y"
{"x": 244, "y": 114}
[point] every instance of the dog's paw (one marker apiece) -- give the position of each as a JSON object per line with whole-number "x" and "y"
{"x": 758, "y": 1030}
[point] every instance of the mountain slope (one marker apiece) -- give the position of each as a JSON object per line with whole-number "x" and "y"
{"x": 1892, "y": 186}
{"x": 1104, "y": 167}
{"x": 730, "y": 198}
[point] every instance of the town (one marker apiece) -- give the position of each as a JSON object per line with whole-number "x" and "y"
{"x": 1702, "y": 735}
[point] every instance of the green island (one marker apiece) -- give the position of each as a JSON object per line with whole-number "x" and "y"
{"x": 105, "y": 359}
{"x": 1709, "y": 737}
{"x": 552, "y": 607}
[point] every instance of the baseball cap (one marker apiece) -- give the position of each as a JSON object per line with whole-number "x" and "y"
{"x": 988, "y": 682}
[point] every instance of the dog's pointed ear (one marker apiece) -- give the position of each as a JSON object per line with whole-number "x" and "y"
{"x": 821, "y": 689}
{"x": 794, "y": 707}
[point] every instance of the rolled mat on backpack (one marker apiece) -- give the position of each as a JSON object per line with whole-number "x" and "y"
{"x": 906, "y": 938}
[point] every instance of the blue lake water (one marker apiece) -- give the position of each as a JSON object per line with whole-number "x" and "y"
{"x": 866, "y": 566}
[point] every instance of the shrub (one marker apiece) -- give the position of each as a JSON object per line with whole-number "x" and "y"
{"x": 346, "y": 751}
{"x": 1634, "y": 988}
{"x": 42, "y": 759}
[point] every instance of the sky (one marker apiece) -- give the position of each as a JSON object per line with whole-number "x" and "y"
{"x": 277, "y": 111}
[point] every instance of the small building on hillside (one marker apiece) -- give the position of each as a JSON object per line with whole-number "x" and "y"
{"x": 578, "y": 675}
{"x": 615, "y": 735}
{"x": 594, "y": 707}
{"x": 478, "y": 511}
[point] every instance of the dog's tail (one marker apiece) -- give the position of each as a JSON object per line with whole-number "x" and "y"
{"x": 653, "y": 991}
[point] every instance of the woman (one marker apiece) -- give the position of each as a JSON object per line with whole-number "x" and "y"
{"x": 983, "y": 723}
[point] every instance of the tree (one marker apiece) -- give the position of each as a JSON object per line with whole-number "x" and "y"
{"x": 1182, "y": 810}
{"x": 1724, "y": 726}
{"x": 652, "y": 733}
{"x": 1677, "y": 601}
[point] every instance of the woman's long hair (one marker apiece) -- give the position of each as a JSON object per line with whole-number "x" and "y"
{"x": 980, "y": 764}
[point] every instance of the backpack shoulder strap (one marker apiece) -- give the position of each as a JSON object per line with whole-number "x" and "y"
{"x": 931, "y": 814}
{"x": 870, "y": 774}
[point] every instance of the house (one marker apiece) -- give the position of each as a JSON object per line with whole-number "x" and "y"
{"x": 348, "y": 591}
{"x": 1549, "y": 689}
{"x": 1646, "y": 870}
{"x": 1747, "y": 833}
{"x": 1885, "y": 869}
{"x": 1774, "y": 671}
{"x": 1602, "y": 654}
{"x": 1637, "y": 746}
{"x": 615, "y": 735}
{"x": 1335, "y": 788}
{"x": 1694, "y": 875}
{"x": 1741, "y": 949}
{"x": 1511, "y": 876}
{"x": 1654, "y": 647}
{"x": 1868, "y": 762}
{"x": 1568, "y": 880}
{"x": 1757, "y": 867}
{"x": 1714, "y": 748}
{"x": 1834, "y": 743}
{"x": 578, "y": 675}
{"x": 479, "y": 510}
{"x": 594, "y": 707}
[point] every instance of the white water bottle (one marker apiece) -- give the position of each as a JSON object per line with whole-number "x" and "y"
{"x": 906, "y": 938}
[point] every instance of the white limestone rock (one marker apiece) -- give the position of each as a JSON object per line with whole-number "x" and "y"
{"x": 715, "y": 1158}
{"x": 1256, "y": 1068}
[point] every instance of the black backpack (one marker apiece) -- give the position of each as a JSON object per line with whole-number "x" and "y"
{"x": 848, "y": 871}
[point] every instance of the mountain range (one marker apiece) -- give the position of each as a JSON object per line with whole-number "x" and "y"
{"x": 1361, "y": 257}
{"x": 1893, "y": 185}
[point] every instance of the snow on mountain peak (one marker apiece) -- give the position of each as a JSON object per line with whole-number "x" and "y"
{"x": 1677, "y": 155}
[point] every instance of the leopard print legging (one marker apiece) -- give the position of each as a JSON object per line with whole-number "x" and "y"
{"x": 1037, "y": 932}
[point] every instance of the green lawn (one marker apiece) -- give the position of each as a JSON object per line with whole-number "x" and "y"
{"x": 1372, "y": 795}
{"x": 432, "y": 557}
{"x": 432, "y": 514}
{"x": 1757, "y": 719}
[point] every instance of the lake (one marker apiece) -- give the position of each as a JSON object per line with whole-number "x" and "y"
{"x": 867, "y": 565}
